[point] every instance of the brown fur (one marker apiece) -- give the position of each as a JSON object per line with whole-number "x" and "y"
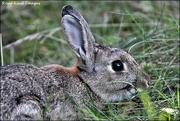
{"x": 73, "y": 71}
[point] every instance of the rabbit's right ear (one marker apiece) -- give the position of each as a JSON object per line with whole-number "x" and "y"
{"x": 78, "y": 36}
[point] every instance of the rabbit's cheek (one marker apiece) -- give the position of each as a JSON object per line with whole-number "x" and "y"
{"x": 114, "y": 84}
{"x": 123, "y": 77}
{"x": 116, "y": 95}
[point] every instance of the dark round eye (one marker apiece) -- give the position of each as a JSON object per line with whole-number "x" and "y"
{"x": 117, "y": 65}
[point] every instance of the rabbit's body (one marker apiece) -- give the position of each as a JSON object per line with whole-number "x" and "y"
{"x": 102, "y": 74}
{"x": 30, "y": 91}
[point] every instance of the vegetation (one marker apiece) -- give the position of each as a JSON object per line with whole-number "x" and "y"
{"x": 148, "y": 30}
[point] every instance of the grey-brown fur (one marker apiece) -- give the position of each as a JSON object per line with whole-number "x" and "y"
{"x": 52, "y": 92}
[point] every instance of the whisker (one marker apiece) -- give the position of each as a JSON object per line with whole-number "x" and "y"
{"x": 122, "y": 82}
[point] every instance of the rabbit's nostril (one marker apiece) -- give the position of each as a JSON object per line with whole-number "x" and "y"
{"x": 147, "y": 84}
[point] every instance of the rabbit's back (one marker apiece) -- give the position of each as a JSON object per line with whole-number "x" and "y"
{"x": 17, "y": 80}
{"x": 26, "y": 88}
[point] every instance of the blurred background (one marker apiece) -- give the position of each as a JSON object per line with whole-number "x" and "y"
{"x": 37, "y": 26}
{"x": 148, "y": 30}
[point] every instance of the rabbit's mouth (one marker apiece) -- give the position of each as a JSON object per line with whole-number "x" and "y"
{"x": 116, "y": 91}
{"x": 128, "y": 87}
{"x": 125, "y": 93}
{"x": 121, "y": 85}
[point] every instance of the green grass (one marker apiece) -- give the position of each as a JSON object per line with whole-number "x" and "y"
{"x": 148, "y": 30}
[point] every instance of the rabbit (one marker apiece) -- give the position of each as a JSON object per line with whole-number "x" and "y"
{"x": 52, "y": 92}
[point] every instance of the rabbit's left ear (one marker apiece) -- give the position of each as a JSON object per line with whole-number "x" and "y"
{"x": 78, "y": 36}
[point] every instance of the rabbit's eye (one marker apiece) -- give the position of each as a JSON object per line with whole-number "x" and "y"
{"x": 117, "y": 65}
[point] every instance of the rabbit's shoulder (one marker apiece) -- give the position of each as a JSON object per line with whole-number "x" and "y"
{"x": 73, "y": 71}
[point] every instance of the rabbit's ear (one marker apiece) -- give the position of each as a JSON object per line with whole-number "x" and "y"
{"x": 78, "y": 35}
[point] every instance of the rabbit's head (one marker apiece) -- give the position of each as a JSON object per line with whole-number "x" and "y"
{"x": 111, "y": 73}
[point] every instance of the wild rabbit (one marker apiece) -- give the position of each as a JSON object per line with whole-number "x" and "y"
{"x": 53, "y": 91}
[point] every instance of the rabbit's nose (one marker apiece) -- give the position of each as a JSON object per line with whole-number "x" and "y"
{"x": 66, "y": 10}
